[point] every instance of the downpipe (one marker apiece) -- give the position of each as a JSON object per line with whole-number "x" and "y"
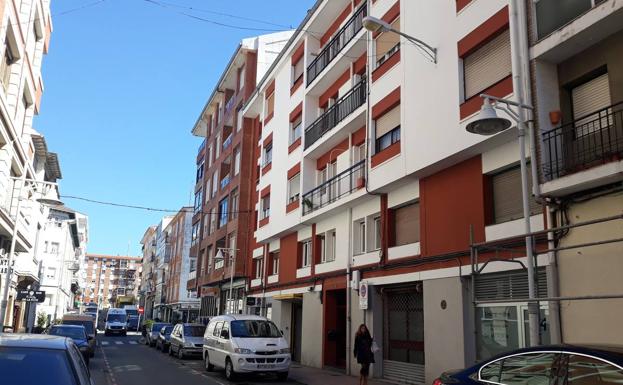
{"x": 349, "y": 295}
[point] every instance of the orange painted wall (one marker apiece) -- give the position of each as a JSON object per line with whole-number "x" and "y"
{"x": 288, "y": 258}
{"x": 451, "y": 201}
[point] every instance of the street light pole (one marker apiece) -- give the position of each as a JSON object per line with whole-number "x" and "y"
{"x": 232, "y": 252}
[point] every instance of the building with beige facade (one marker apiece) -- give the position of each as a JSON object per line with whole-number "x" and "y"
{"x": 111, "y": 276}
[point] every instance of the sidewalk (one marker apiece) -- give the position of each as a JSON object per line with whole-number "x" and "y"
{"x": 312, "y": 376}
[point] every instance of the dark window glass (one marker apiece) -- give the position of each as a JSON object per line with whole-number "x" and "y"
{"x": 71, "y": 332}
{"x": 529, "y": 369}
{"x": 388, "y": 139}
{"x": 88, "y": 325}
{"x": 193, "y": 331}
{"x": 254, "y": 328}
{"x": 584, "y": 370}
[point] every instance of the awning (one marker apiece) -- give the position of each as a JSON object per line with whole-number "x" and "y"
{"x": 286, "y": 297}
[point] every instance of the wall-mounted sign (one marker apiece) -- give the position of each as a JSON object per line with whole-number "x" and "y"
{"x": 31, "y": 296}
{"x": 364, "y": 293}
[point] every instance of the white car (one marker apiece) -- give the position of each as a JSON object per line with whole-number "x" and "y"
{"x": 116, "y": 322}
{"x": 245, "y": 344}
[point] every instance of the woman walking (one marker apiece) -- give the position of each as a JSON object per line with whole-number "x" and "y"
{"x": 363, "y": 352}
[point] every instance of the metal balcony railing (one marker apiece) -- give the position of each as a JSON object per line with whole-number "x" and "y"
{"x": 343, "y": 184}
{"x": 593, "y": 139}
{"x": 227, "y": 142}
{"x": 343, "y": 107}
{"x": 554, "y": 14}
{"x": 336, "y": 44}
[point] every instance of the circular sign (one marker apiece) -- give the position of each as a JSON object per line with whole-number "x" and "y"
{"x": 444, "y": 304}
{"x": 363, "y": 290}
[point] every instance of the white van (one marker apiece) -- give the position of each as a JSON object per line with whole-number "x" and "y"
{"x": 116, "y": 322}
{"x": 245, "y": 344}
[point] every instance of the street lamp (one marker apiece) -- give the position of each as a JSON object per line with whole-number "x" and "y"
{"x": 46, "y": 199}
{"x": 220, "y": 257}
{"x": 489, "y": 123}
{"x": 374, "y": 24}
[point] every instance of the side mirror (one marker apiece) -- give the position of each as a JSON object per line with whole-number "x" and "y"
{"x": 225, "y": 334}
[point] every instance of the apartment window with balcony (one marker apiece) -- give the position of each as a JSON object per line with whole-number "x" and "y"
{"x": 274, "y": 258}
{"x": 269, "y": 103}
{"x": 265, "y": 203}
{"x": 233, "y": 204}
{"x": 487, "y": 65}
{"x": 326, "y": 243}
{"x": 195, "y": 233}
{"x": 306, "y": 253}
{"x": 199, "y": 177}
{"x": 214, "y": 183}
{"x": 406, "y": 224}
{"x": 587, "y": 99}
{"x": 268, "y": 153}
{"x": 387, "y": 43}
{"x": 507, "y": 200}
{"x": 297, "y": 71}
{"x": 222, "y": 210}
{"x": 239, "y": 119}
{"x": 236, "y": 160}
{"x": 8, "y": 59}
{"x": 387, "y": 129}
{"x": 198, "y": 201}
{"x": 296, "y": 127}
{"x": 294, "y": 188}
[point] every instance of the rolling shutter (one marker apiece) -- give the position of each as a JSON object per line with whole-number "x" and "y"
{"x": 407, "y": 224}
{"x": 507, "y": 200}
{"x": 591, "y": 96}
{"x": 388, "y": 122}
{"x": 508, "y": 285}
{"x": 487, "y": 65}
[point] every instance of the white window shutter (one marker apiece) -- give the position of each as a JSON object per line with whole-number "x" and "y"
{"x": 487, "y": 65}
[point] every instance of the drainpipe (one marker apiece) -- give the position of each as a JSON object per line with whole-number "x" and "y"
{"x": 348, "y": 292}
{"x": 553, "y": 287}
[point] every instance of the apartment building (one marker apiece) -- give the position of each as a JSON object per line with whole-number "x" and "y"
{"x": 148, "y": 283}
{"x": 161, "y": 266}
{"x": 25, "y": 30}
{"x": 576, "y": 57}
{"x": 110, "y": 276}
{"x": 372, "y": 193}
{"x": 226, "y": 177}
{"x": 181, "y": 305}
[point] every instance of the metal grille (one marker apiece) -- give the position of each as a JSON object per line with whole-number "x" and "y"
{"x": 508, "y": 285}
{"x": 209, "y": 306}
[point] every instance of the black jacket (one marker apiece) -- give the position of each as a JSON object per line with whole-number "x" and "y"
{"x": 363, "y": 349}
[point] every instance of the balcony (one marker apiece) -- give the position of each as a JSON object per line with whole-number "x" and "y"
{"x": 336, "y": 44}
{"x": 192, "y": 275}
{"x": 225, "y": 181}
{"x": 342, "y": 108}
{"x": 343, "y": 184}
{"x": 589, "y": 141}
{"x": 554, "y": 14}
{"x": 227, "y": 142}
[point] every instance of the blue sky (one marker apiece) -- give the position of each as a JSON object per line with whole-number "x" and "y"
{"x": 124, "y": 82}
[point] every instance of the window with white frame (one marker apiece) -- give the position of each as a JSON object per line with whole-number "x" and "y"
{"x": 223, "y": 214}
{"x": 259, "y": 267}
{"x": 268, "y": 153}
{"x": 208, "y": 188}
{"x": 360, "y": 236}
{"x": 387, "y": 129}
{"x": 296, "y": 127}
{"x": 241, "y": 76}
{"x": 275, "y": 262}
{"x": 233, "y": 203}
{"x": 269, "y": 104}
{"x": 326, "y": 243}
{"x": 294, "y": 188}
{"x": 217, "y": 146}
{"x": 214, "y": 183}
{"x": 265, "y": 206}
{"x": 297, "y": 70}
{"x": 487, "y": 65}
{"x": 9, "y": 57}
{"x": 198, "y": 201}
{"x": 376, "y": 235}
{"x": 209, "y": 153}
{"x": 54, "y": 248}
{"x": 306, "y": 253}
{"x": 237, "y": 161}
{"x": 387, "y": 43}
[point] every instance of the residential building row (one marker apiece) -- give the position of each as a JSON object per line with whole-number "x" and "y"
{"x": 110, "y": 277}
{"x": 344, "y": 188}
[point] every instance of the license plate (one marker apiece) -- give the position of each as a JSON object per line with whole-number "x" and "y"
{"x": 265, "y": 366}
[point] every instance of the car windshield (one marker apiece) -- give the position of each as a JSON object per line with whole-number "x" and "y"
{"x": 90, "y": 309}
{"x": 29, "y": 366}
{"x": 193, "y": 331}
{"x": 116, "y": 318}
{"x": 157, "y": 326}
{"x": 88, "y": 325}
{"x": 254, "y": 329}
{"x": 73, "y": 333}
{"x": 132, "y": 312}
{"x": 167, "y": 330}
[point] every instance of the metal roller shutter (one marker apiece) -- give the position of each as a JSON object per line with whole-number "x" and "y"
{"x": 487, "y": 65}
{"x": 507, "y": 200}
{"x": 589, "y": 98}
{"x": 388, "y": 122}
{"x": 508, "y": 285}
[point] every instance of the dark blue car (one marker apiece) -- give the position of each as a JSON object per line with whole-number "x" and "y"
{"x": 78, "y": 334}
{"x": 545, "y": 365}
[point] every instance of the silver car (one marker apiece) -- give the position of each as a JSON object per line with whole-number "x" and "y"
{"x": 186, "y": 340}
{"x": 152, "y": 332}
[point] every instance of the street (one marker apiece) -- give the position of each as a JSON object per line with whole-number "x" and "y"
{"x": 128, "y": 361}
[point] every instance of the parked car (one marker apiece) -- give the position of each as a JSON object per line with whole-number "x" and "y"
{"x": 555, "y": 364}
{"x": 152, "y": 331}
{"x": 186, "y": 340}
{"x": 164, "y": 338}
{"x": 78, "y": 335}
{"x": 245, "y": 344}
{"x": 35, "y": 359}
{"x": 89, "y": 327}
{"x": 116, "y": 322}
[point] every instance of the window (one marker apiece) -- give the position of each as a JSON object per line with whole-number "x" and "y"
{"x": 209, "y": 152}
{"x": 387, "y": 43}
{"x": 217, "y": 146}
{"x": 297, "y": 71}
{"x": 54, "y": 248}
{"x": 275, "y": 262}
{"x": 589, "y": 98}
{"x": 199, "y": 173}
{"x": 46, "y": 246}
{"x": 222, "y": 209}
{"x": 294, "y": 188}
{"x": 51, "y": 273}
{"x": 233, "y": 204}
{"x": 198, "y": 201}
{"x": 295, "y": 129}
{"x": 265, "y": 206}
{"x": 533, "y": 368}
{"x": 214, "y": 183}
{"x": 240, "y": 119}
{"x": 487, "y": 65}
{"x": 376, "y": 227}
{"x": 258, "y": 268}
{"x": 8, "y": 59}
{"x": 507, "y": 199}
{"x": 195, "y": 233}
{"x": 588, "y": 370}
{"x": 268, "y": 153}
{"x": 326, "y": 243}
{"x": 306, "y": 253}
{"x": 241, "y": 75}
{"x": 360, "y": 236}
{"x": 212, "y": 223}
{"x": 269, "y": 104}
{"x": 208, "y": 188}
{"x": 388, "y": 129}
{"x": 406, "y": 224}
{"x": 237, "y": 161}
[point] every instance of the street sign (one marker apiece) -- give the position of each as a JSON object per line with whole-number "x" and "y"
{"x": 31, "y": 296}
{"x": 363, "y": 295}
{"x": 141, "y": 310}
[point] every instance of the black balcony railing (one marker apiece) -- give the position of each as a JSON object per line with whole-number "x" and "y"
{"x": 336, "y": 44}
{"x": 343, "y": 107}
{"x": 343, "y": 184}
{"x": 591, "y": 140}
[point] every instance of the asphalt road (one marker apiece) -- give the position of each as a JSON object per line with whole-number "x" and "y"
{"x": 128, "y": 361}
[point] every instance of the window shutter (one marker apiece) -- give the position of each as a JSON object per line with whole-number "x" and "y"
{"x": 487, "y": 65}
{"x": 407, "y": 224}
{"x": 387, "y": 40}
{"x": 591, "y": 96}
{"x": 388, "y": 122}
{"x": 507, "y": 200}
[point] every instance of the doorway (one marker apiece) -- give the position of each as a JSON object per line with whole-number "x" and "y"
{"x": 335, "y": 329}
{"x": 296, "y": 330}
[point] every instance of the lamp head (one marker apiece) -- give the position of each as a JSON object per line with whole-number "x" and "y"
{"x": 50, "y": 197}
{"x": 488, "y": 122}
{"x": 374, "y": 24}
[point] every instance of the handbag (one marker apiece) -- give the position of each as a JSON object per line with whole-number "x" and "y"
{"x": 374, "y": 347}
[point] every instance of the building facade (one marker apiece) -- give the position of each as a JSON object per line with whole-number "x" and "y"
{"x": 110, "y": 277}
{"x": 148, "y": 283}
{"x": 226, "y": 176}
{"x": 161, "y": 267}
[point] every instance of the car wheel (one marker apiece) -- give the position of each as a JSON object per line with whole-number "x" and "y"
{"x": 157, "y": 346}
{"x": 170, "y": 350}
{"x": 180, "y": 353}
{"x": 209, "y": 367}
{"x": 282, "y": 376}
{"x": 230, "y": 374}
{"x": 165, "y": 348}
